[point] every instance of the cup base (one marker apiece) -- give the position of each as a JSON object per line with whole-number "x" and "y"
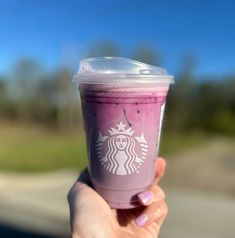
{"x": 119, "y": 199}
{"x": 118, "y": 205}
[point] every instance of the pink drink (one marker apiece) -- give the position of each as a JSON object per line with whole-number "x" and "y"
{"x": 123, "y": 125}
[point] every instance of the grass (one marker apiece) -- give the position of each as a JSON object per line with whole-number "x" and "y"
{"x": 172, "y": 143}
{"x": 28, "y": 148}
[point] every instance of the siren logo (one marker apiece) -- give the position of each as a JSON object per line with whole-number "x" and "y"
{"x": 117, "y": 152}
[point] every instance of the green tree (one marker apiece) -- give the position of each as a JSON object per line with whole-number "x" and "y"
{"x": 3, "y": 97}
{"x": 147, "y": 54}
{"x": 67, "y": 105}
{"x": 105, "y": 48}
{"x": 26, "y": 74}
{"x": 182, "y": 104}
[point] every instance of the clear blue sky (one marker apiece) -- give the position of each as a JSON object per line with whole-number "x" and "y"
{"x": 47, "y": 29}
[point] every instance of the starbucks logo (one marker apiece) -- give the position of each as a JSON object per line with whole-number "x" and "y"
{"x": 117, "y": 151}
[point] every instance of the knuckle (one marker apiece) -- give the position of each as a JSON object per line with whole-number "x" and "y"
{"x": 74, "y": 191}
{"x": 74, "y": 235}
{"x": 160, "y": 209}
{"x": 69, "y": 195}
{"x": 158, "y": 192}
{"x": 165, "y": 208}
{"x": 162, "y": 193}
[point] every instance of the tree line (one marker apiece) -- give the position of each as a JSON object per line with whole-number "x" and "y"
{"x": 29, "y": 93}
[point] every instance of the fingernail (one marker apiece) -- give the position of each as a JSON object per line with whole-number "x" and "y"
{"x": 141, "y": 220}
{"x": 146, "y": 197}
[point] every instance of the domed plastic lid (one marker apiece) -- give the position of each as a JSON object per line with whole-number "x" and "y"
{"x": 119, "y": 70}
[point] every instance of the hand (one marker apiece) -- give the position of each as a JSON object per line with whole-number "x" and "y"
{"x": 90, "y": 215}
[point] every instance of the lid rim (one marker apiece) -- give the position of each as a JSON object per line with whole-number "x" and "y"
{"x": 113, "y": 70}
{"x": 128, "y": 79}
{"x": 163, "y": 81}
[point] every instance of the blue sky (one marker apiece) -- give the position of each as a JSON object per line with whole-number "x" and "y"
{"x": 58, "y": 32}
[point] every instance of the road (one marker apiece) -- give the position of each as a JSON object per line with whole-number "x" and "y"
{"x": 199, "y": 188}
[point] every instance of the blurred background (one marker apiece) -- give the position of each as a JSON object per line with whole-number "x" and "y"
{"x": 42, "y": 144}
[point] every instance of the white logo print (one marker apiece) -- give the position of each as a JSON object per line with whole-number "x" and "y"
{"x": 117, "y": 152}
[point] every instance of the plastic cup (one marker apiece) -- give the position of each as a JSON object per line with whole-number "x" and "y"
{"x": 123, "y": 105}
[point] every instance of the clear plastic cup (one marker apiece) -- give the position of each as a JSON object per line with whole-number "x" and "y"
{"x": 123, "y": 105}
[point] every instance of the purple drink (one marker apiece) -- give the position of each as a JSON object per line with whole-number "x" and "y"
{"x": 123, "y": 122}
